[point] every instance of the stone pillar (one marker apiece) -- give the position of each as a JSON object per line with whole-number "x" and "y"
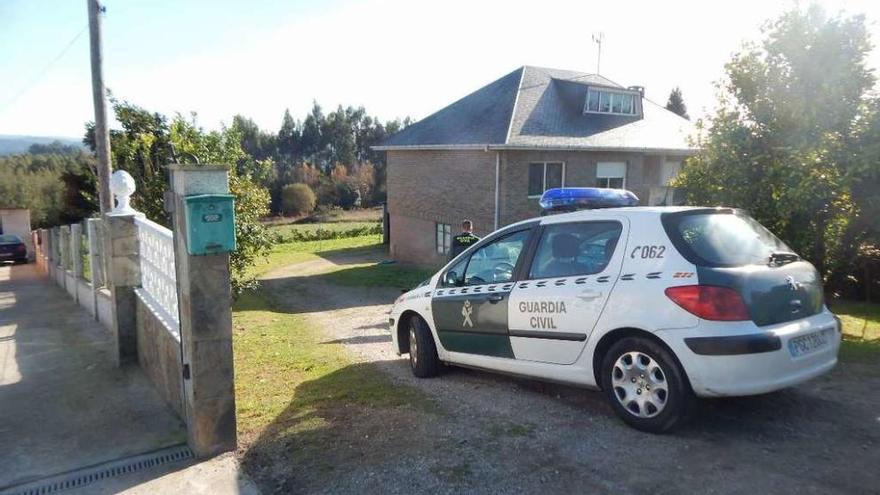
{"x": 124, "y": 276}
{"x": 204, "y": 298}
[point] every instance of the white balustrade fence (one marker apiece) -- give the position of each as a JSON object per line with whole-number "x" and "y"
{"x": 158, "y": 275}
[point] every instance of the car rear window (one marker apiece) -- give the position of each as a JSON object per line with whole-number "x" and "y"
{"x": 721, "y": 238}
{"x": 9, "y": 238}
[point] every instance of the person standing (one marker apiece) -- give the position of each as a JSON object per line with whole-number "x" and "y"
{"x": 464, "y": 240}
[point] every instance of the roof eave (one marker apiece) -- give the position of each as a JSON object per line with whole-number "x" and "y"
{"x": 514, "y": 147}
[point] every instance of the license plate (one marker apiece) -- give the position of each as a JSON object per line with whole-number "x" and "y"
{"x": 809, "y": 343}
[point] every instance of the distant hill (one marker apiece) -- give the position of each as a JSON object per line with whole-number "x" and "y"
{"x": 10, "y": 145}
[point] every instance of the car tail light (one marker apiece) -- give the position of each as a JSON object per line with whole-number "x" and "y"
{"x": 710, "y": 302}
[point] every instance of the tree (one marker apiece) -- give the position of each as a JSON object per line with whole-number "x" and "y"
{"x": 288, "y": 138}
{"x": 676, "y": 104}
{"x": 795, "y": 139}
{"x": 298, "y": 199}
{"x": 147, "y": 143}
{"x": 55, "y": 183}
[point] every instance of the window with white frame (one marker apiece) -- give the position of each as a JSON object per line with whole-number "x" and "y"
{"x": 443, "y": 238}
{"x": 607, "y": 101}
{"x": 611, "y": 175}
{"x": 545, "y": 175}
{"x": 669, "y": 172}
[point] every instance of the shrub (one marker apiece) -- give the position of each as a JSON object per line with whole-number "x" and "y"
{"x": 321, "y": 234}
{"x": 298, "y": 199}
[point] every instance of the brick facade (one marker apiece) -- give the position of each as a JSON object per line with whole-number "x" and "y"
{"x": 430, "y": 186}
{"x": 425, "y": 187}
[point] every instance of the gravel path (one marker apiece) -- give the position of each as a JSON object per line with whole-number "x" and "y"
{"x": 499, "y": 434}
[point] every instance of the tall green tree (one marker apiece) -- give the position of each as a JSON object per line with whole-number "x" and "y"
{"x": 795, "y": 139}
{"x": 148, "y": 142}
{"x": 675, "y": 103}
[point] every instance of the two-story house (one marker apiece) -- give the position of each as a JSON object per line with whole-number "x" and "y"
{"x": 489, "y": 156}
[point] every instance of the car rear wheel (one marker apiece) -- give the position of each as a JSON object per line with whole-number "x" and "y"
{"x": 423, "y": 358}
{"x": 645, "y": 385}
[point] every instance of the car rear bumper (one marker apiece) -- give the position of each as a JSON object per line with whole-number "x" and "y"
{"x": 740, "y": 358}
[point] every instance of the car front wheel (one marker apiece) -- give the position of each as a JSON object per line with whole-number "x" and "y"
{"x": 646, "y": 386}
{"x": 423, "y": 358}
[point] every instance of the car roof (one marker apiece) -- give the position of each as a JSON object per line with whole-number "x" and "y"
{"x": 626, "y": 211}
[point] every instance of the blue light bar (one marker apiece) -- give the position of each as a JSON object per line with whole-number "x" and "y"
{"x": 585, "y": 198}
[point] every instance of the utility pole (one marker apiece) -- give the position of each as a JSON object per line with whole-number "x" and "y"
{"x": 598, "y": 39}
{"x": 102, "y": 134}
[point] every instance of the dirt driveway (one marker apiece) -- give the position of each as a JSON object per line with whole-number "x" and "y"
{"x": 496, "y": 434}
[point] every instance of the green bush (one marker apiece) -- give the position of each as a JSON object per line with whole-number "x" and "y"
{"x": 321, "y": 234}
{"x": 297, "y": 199}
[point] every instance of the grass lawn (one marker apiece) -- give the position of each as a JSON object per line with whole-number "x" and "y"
{"x": 289, "y": 253}
{"x": 278, "y": 359}
{"x": 286, "y": 230}
{"x": 861, "y": 320}
{"x": 289, "y": 381}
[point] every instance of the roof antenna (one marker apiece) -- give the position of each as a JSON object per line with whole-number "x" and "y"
{"x": 598, "y": 39}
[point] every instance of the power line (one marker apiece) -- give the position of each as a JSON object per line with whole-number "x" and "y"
{"x": 46, "y": 69}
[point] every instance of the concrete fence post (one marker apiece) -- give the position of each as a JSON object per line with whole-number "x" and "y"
{"x": 64, "y": 234}
{"x": 76, "y": 250}
{"x": 47, "y": 251}
{"x": 96, "y": 261}
{"x": 76, "y": 266}
{"x": 204, "y": 298}
{"x": 50, "y": 252}
{"x": 123, "y": 277}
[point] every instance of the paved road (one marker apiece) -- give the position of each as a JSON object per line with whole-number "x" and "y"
{"x": 64, "y": 404}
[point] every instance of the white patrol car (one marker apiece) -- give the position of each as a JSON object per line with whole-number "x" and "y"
{"x": 653, "y": 305}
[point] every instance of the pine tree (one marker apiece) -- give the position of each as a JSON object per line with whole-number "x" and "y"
{"x": 676, "y": 103}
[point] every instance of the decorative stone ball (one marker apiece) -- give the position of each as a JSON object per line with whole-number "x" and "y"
{"x": 122, "y": 183}
{"x": 122, "y": 186}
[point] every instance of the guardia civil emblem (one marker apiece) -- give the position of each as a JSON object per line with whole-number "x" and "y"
{"x": 466, "y": 311}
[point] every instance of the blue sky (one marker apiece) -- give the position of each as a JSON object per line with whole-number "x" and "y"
{"x": 395, "y": 57}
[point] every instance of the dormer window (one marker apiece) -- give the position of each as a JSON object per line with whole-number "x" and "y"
{"x": 612, "y": 102}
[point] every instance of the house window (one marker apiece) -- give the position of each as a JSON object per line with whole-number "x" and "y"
{"x": 611, "y": 175}
{"x": 669, "y": 172}
{"x": 545, "y": 175}
{"x": 443, "y": 238}
{"x": 614, "y": 102}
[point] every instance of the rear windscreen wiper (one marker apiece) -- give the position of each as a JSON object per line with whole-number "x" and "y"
{"x": 782, "y": 258}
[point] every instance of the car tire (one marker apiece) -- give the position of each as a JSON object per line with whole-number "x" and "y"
{"x": 646, "y": 385}
{"x": 423, "y": 358}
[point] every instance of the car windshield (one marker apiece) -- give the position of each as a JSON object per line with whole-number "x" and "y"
{"x": 9, "y": 239}
{"x": 723, "y": 239}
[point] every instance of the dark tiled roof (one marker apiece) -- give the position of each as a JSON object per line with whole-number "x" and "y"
{"x": 535, "y": 107}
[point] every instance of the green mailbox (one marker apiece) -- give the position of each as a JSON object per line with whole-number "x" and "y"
{"x": 210, "y": 224}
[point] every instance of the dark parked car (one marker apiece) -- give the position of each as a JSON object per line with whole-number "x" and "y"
{"x": 12, "y": 249}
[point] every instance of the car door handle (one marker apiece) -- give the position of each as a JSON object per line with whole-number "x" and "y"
{"x": 589, "y": 295}
{"x": 494, "y": 298}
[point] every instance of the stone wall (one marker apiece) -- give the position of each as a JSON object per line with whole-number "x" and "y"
{"x": 159, "y": 355}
